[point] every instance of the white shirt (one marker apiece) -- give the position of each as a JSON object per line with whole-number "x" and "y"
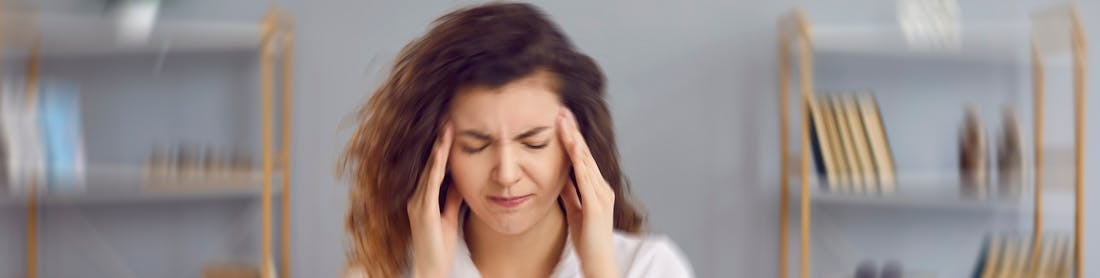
{"x": 638, "y": 256}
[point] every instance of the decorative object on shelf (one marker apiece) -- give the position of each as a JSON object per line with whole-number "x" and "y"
{"x": 892, "y": 269}
{"x": 135, "y": 19}
{"x": 973, "y": 161}
{"x": 866, "y": 269}
{"x": 930, "y": 25}
{"x": 1010, "y": 160}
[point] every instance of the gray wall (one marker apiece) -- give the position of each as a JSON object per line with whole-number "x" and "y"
{"x": 689, "y": 86}
{"x": 692, "y": 90}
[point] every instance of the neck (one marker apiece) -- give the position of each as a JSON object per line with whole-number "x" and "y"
{"x": 536, "y": 250}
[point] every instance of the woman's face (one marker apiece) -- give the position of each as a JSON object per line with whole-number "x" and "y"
{"x": 506, "y": 160}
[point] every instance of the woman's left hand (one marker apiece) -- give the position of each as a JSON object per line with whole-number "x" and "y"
{"x": 589, "y": 204}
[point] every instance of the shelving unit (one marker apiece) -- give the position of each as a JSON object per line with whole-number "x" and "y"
{"x": 1052, "y": 34}
{"x": 32, "y": 35}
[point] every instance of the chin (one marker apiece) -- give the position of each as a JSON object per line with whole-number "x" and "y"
{"x": 511, "y": 222}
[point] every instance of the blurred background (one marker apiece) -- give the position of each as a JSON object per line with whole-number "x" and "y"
{"x": 132, "y": 131}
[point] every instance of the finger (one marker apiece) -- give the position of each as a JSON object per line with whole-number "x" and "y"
{"x": 569, "y": 141}
{"x": 593, "y": 174}
{"x": 584, "y": 168}
{"x": 570, "y": 197}
{"x": 438, "y": 165}
{"x": 585, "y": 154}
{"x": 421, "y": 187}
{"x": 452, "y": 205}
{"x": 575, "y": 151}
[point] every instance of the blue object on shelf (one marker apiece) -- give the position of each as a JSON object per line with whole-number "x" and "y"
{"x": 62, "y": 135}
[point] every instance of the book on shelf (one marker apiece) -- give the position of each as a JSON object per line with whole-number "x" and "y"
{"x": 1042, "y": 264}
{"x": 990, "y": 259}
{"x": 849, "y": 145}
{"x": 819, "y": 142}
{"x": 19, "y": 120}
{"x": 63, "y": 136}
{"x": 835, "y": 146}
{"x": 881, "y": 155}
{"x": 854, "y": 169}
{"x": 1020, "y": 268}
{"x": 1016, "y": 254}
{"x": 4, "y": 134}
{"x": 1064, "y": 258}
{"x": 859, "y": 140}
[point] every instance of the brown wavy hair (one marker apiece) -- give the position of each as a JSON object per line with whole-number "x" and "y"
{"x": 488, "y": 45}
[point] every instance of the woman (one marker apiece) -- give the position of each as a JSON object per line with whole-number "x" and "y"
{"x": 489, "y": 152}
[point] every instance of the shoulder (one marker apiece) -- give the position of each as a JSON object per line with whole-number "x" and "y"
{"x": 650, "y": 255}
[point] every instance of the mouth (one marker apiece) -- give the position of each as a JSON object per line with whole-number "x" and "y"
{"x": 510, "y": 202}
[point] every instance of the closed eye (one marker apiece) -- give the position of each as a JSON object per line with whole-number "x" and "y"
{"x": 537, "y": 146}
{"x": 473, "y": 150}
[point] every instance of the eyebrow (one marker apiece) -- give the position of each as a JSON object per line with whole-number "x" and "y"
{"x": 485, "y": 137}
{"x": 531, "y": 132}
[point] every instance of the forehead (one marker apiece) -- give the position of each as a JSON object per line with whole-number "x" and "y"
{"x": 526, "y": 102}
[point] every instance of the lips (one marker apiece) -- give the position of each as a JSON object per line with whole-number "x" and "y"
{"x": 510, "y": 202}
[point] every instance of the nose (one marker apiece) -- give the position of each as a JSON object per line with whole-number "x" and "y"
{"x": 507, "y": 171}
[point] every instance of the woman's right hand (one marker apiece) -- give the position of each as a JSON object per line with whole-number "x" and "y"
{"x": 434, "y": 233}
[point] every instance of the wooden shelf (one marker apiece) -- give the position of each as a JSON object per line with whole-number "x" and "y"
{"x": 30, "y": 35}
{"x": 1050, "y": 34}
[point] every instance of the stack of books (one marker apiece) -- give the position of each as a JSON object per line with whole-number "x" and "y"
{"x": 851, "y": 151}
{"x": 1012, "y": 256}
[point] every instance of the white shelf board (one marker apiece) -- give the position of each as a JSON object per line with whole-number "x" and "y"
{"x": 118, "y": 185}
{"x": 66, "y": 35}
{"x": 916, "y": 192}
{"x": 905, "y": 200}
{"x": 141, "y": 197}
{"x": 981, "y": 41}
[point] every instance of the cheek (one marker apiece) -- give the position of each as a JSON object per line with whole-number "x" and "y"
{"x": 549, "y": 169}
{"x": 468, "y": 175}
